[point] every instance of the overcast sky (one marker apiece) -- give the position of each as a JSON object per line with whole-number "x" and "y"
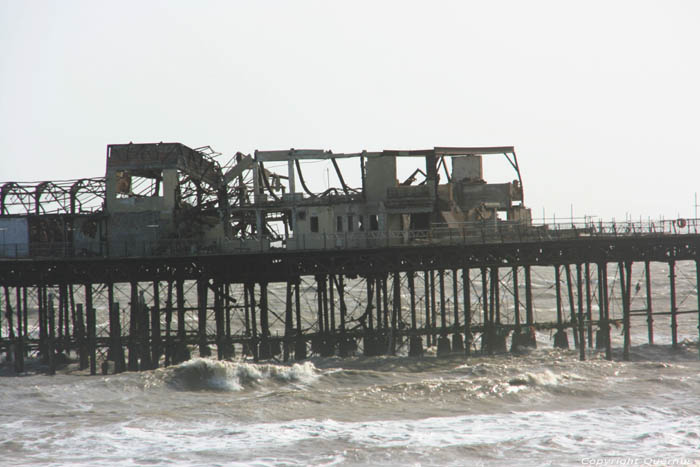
{"x": 600, "y": 99}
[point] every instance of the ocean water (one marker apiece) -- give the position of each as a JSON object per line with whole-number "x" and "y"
{"x": 539, "y": 407}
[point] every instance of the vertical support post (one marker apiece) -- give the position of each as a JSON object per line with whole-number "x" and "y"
{"x": 300, "y": 348}
{"x": 331, "y": 300}
{"x": 529, "y": 309}
{"x": 606, "y": 316}
{"x": 625, "y": 273}
{"x": 156, "y": 344}
{"x": 433, "y": 307}
{"x": 144, "y": 347}
{"x": 496, "y": 297}
{"x": 443, "y": 311}
{"x": 485, "y": 309}
{"x": 76, "y": 330}
{"x": 385, "y": 294}
{"x": 251, "y": 301}
{"x": 572, "y": 307}
{"x": 426, "y": 297}
{"x": 515, "y": 342}
{"x": 467, "y": 300}
{"x": 589, "y": 305}
{"x": 443, "y": 347}
{"x": 650, "y": 314}
{"x": 91, "y": 328}
{"x": 168, "y": 324}
{"x": 368, "y": 311}
{"x": 134, "y": 328}
{"x": 79, "y": 332}
{"x": 221, "y": 344}
{"x": 181, "y": 352}
{"x": 341, "y": 302}
{"x": 202, "y": 296}
{"x": 412, "y": 298}
{"x": 457, "y": 341}
{"x": 10, "y": 327}
{"x": 581, "y": 327}
{"x": 561, "y": 340}
{"x": 320, "y": 282}
{"x": 265, "y": 350}
{"x": 52, "y": 336}
{"x": 19, "y": 347}
{"x": 227, "y": 307}
{"x": 674, "y": 308}
{"x": 395, "y": 310}
{"x": 697, "y": 290}
{"x": 288, "y": 321}
{"x": 378, "y": 298}
{"x": 61, "y": 306}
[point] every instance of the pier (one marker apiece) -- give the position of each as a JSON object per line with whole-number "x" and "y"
{"x": 172, "y": 255}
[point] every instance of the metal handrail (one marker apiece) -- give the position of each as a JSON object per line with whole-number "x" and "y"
{"x": 470, "y": 233}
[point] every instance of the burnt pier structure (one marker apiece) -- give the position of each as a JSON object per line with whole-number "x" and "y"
{"x": 172, "y": 254}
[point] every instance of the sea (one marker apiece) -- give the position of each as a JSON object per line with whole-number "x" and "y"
{"x": 541, "y": 406}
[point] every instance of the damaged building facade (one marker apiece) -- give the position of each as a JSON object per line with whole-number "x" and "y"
{"x": 169, "y": 199}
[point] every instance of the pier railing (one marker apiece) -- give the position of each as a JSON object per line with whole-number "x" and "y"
{"x": 472, "y": 233}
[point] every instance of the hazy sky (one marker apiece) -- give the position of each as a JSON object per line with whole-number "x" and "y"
{"x": 600, "y": 99}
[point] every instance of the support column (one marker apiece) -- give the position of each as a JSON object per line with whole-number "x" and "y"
{"x": 221, "y": 343}
{"x": 625, "y": 269}
{"x": 589, "y": 306}
{"x": 581, "y": 327}
{"x": 426, "y": 298}
{"x": 517, "y": 332}
{"x": 182, "y": 352}
{"x": 134, "y": 317}
{"x": 19, "y": 346}
{"x": 202, "y": 297}
{"x": 443, "y": 347}
{"x": 561, "y": 340}
{"x": 91, "y": 319}
{"x": 156, "y": 343}
{"x": 650, "y": 314}
{"x": 485, "y": 310}
{"x": 674, "y": 308}
{"x": 300, "y": 346}
{"x": 529, "y": 312}
{"x": 52, "y": 337}
{"x": 416, "y": 342}
{"x": 466, "y": 293}
{"x": 288, "y": 321}
{"x": 457, "y": 342}
{"x": 169, "y": 347}
{"x": 572, "y": 307}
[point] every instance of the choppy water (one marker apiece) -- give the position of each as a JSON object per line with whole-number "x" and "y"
{"x": 543, "y": 407}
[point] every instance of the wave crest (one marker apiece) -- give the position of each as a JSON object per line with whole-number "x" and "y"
{"x": 201, "y": 374}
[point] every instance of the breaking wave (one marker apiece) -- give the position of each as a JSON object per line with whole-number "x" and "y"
{"x": 203, "y": 374}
